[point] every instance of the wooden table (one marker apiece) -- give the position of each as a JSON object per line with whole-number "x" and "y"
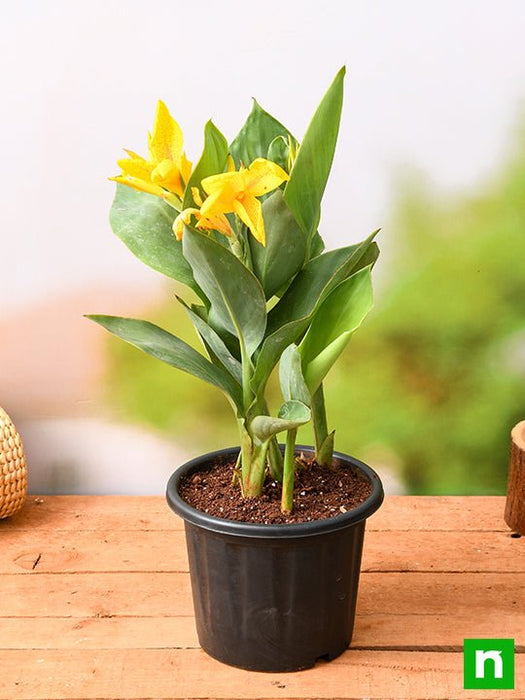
{"x": 95, "y": 603}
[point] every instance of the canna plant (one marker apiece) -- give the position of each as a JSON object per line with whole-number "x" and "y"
{"x": 239, "y": 230}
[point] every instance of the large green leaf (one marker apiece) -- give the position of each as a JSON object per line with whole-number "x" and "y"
{"x": 334, "y": 322}
{"x": 293, "y": 385}
{"x": 309, "y": 175}
{"x": 144, "y": 223}
{"x": 277, "y": 263}
{"x": 317, "y": 279}
{"x": 256, "y": 135}
{"x": 164, "y": 346}
{"x": 236, "y": 296}
{"x": 214, "y": 343}
{"x": 292, "y": 414}
{"x": 212, "y": 161}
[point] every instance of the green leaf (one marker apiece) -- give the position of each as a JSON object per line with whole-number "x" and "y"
{"x": 272, "y": 349}
{"x": 214, "y": 343}
{"x": 325, "y": 453}
{"x": 143, "y": 222}
{"x": 279, "y": 151}
{"x": 317, "y": 245}
{"x": 304, "y": 190}
{"x": 212, "y": 161}
{"x": 317, "y": 279}
{"x": 255, "y": 137}
{"x": 290, "y": 318}
{"x": 164, "y": 346}
{"x": 293, "y": 385}
{"x": 236, "y": 297}
{"x": 338, "y": 317}
{"x": 277, "y": 263}
{"x": 292, "y": 414}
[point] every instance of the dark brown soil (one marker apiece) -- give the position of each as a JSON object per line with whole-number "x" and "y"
{"x": 319, "y": 493}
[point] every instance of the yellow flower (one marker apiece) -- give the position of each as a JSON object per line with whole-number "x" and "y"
{"x": 167, "y": 170}
{"x": 237, "y": 192}
{"x": 217, "y": 223}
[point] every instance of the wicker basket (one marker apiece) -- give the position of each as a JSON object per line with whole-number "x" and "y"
{"x": 13, "y": 468}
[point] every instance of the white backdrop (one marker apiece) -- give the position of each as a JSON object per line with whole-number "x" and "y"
{"x": 434, "y": 85}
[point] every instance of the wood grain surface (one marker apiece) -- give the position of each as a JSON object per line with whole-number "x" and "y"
{"x": 515, "y": 505}
{"x": 95, "y": 602}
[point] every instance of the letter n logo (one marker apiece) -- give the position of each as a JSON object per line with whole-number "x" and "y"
{"x": 488, "y": 663}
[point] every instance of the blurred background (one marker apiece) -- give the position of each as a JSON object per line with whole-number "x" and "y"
{"x": 431, "y": 148}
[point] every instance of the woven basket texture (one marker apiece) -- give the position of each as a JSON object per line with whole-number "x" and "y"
{"x": 13, "y": 468}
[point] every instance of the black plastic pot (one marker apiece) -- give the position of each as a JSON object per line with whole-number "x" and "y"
{"x": 274, "y": 597}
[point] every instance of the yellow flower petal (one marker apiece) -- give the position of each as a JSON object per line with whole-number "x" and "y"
{"x": 218, "y": 223}
{"x": 184, "y": 218}
{"x": 134, "y": 156}
{"x": 167, "y": 175}
{"x": 249, "y": 211}
{"x": 135, "y": 167}
{"x": 195, "y": 193}
{"x": 221, "y": 200}
{"x": 212, "y": 183}
{"x": 165, "y": 143}
{"x": 185, "y": 168}
{"x": 263, "y": 176}
{"x": 141, "y": 185}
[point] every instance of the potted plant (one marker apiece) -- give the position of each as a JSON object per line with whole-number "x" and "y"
{"x": 274, "y": 532}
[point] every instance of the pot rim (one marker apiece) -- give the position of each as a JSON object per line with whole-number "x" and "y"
{"x": 239, "y": 528}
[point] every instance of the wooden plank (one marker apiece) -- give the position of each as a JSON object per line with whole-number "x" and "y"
{"x": 424, "y": 550}
{"x": 102, "y": 513}
{"x": 100, "y": 595}
{"x": 437, "y": 513}
{"x": 111, "y": 513}
{"x": 375, "y": 631}
{"x": 85, "y": 551}
{"x": 43, "y": 551}
{"x": 98, "y": 633}
{"x": 82, "y": 674}
{"x": 403, "y": 610}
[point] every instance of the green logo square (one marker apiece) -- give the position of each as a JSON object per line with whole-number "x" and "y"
{"x": 488, "y": 663}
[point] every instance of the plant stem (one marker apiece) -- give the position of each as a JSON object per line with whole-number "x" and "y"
{"x": 324, "y": 442}
{"x": 246, "y": 455}
{"x": 254, "y": 483}
{"x": 236, "y": 471}
{"x": 288, "y": 472}
{"x": 319, "y": 419}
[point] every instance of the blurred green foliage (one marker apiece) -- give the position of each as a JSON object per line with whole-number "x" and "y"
{"x": 433, "y": 382}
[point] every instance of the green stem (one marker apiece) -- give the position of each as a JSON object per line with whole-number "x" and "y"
{"x": 247, "y": 372}
{"x": 236, "y": 470}
{"x": 248, "y": 255}
{"x": 288, "y": 472}
{"x": 253, "y": 486}
{"x": 319, "y": 419}
{"x": 246, "y": 455}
